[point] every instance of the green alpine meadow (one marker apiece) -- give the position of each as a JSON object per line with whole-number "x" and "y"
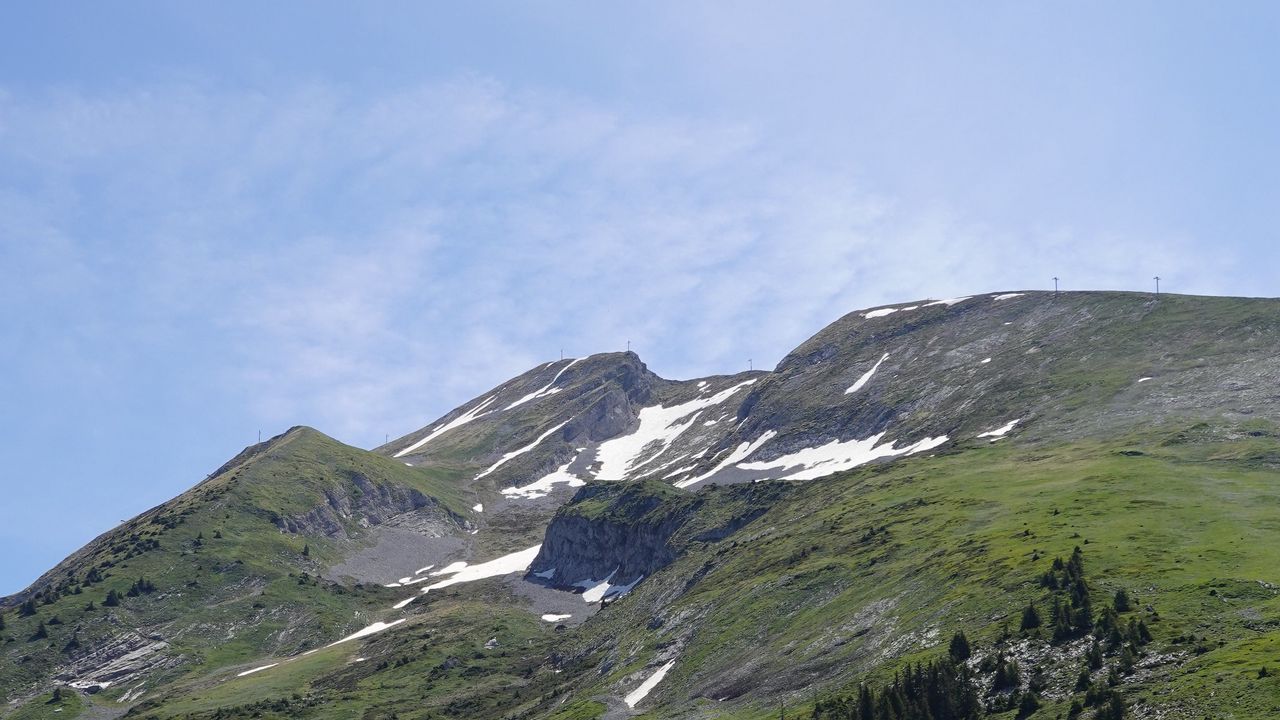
{"x": 1022, "y": 504}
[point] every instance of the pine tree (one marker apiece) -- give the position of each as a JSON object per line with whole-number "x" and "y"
{"x": 1121, "y": 602}
{"x": 960, "y": 649}
{"x": 1084, "y": 680}
{"x": 1, "y": 621}
{"x": 306, "y": 550}
{"x": 1094, "y": 656}
{"x": 1028, "y": 706}
{"x": 28, "y": 608}
{"x": 41, "y": 632}
{"x": 1030, "y": 618}
{"x": 113, "y": 599}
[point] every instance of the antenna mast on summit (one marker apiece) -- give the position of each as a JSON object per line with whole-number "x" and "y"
{"x": 1157, "y": 279}
{"x": 1055, "y": 286}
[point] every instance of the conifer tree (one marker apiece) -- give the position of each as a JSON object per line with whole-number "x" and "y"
{"x": 41, "y": 632}
{"x": 113, "y": 599}
{"x": 960, "y": 649}
{"x": 1030, "y": 618}
{"x": 28, "y": 608}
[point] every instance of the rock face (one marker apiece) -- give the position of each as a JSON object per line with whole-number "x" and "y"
{"x": 363, "y": 502}
{"x": 620, "y": 531}
{"x": 626, "y": 531}
{"x": 125, "y": 658}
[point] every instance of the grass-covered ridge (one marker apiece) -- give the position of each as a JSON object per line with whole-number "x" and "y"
{"x": 847, "y": 579}
{"x": 211, "y": 578}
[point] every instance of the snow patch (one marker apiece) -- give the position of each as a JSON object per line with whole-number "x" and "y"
{"x": 659, "y": 425}
{"x": 949, "y": 301}
{"x": 741, "y": 453}
{"x": 517, "y": 453}
{"x": 457, "y": 422}
{"x": 1143, "y": 379}
{"x": 464, "y": 573}
{"x": 836, "y": 456}
{"x": 257, "y": 669}
{"x": 542, "y": 391}
{"x": 545, "y": 484}
{"x": 594, "y": 590}
{"x": 984, "y": 361}
{"x": 1008, "y": 296}
{"x": 640, "y": 693}
{"x": 866, "y": 376}
{"x": 555, "y": 618}
{"x": 478, "y": 507}
{"x": 879, "y": 313}
{"x": 1000, "y": 431}
{"x": 366, "y": 632}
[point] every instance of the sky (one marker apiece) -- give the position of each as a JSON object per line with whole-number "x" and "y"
{"x": 224, "y": 218}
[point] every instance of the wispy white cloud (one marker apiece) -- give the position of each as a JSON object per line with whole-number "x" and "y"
{"x": 366, "y": 263}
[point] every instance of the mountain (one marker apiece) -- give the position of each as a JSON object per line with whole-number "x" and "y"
{"x": 1082, "y": 484}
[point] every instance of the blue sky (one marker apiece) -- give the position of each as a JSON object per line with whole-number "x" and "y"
{"x": 215, "y": 220}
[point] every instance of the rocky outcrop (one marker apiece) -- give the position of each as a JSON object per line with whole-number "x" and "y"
{"x": 620, "y": 531}
{"x": 125, "y": 658}
{"x": 364, "y": 503}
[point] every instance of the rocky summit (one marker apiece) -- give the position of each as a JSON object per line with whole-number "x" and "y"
{"x": 1016, "y": 504}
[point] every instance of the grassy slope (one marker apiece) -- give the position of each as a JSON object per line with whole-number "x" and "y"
{"x": 240, "y": 592}
{"x": 804, "y": 598}
{"x": 1188, "y": 528}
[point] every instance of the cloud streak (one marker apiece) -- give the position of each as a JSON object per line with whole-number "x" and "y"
{"x": 367, "y": 263}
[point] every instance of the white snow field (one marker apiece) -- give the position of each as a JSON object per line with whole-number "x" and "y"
{"x": 464, "y": 573}
{"x": 949, "y": 301}
{"x": 1008, "y": 296}
{"x": 459, "y": 421}
{"x": 1000, "y": 431}
{"x": 257, "y": 669}
{"x": 837, "y": 455}
{"x": 366, "y": 632}
{"x": 742, "y": 452}
{"x": 517, "y": 453}
{"x": 543, "y": 391}
{"x": 640, "y": 693}
{"x": 545, "y": 484}
{"x": 881, "y": 312}
{"x": 658, "y": 424}
{"x": 866, "y": 376}
{"x": 555, "y": 618}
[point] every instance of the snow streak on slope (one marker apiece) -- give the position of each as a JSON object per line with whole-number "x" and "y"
{"x": 517, "y": 453}
{"x": 597, "y": 590}
{"x": 366, "y": 632}
{"x": 887, "y": 311}
{"x": 459, "y": 421}
{"x": 866, "y": 376}
{"x": 544, "y": 390}
{"x": 742, "y": 452}
{"x": 545, "y": 484}
{"x": 640, "y": 693}
{"x": 658, "y": 424}
{"x": 836, "y": 456}
{"x": 948, "y": 302}
{"x": 1000, "y": 431}
{"x": 463, "y": 573}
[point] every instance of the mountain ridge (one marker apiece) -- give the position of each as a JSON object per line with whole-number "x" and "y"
{"x": 675, "y": 509}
